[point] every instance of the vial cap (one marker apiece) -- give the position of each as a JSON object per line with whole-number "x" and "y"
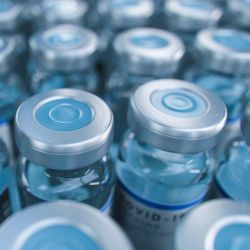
{"x": 227, "y": 226}
{"x": 191, "y": 15}
{"x": 240, "y": 12}
{"x": 63, "y": 225}
{"x": 224, "y": 50}
{"x": 64, "y": 48}
{"x": 176, "y": 116}
{"x": 62, "y": 12}
{"x": 11, "y": 15}
{"x": 149, "y": 51}
{"x": 64, "y": 129}
{"x": 7, "y": 53}
{"x": 123, "y": 14}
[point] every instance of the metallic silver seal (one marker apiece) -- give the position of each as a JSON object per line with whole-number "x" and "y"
{"x": 224, "y": 50}
{"x": 49, "y": 12}
{"x": 17, "y": 231}
{"x": 176, "y": 116}
{"x": 123, "y": 14}
{"x": 149, "y": 51}
{"x": 11, "y": 15}
{"x": 64, "y": 129}
{"x": 64, "y": 48}
{"x": 191, "y": 15}
{"x": 240, "y": 12}
{"x": 200, "y": 228}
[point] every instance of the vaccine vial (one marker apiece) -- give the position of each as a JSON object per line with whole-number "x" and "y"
{"x": 62, "y": 225}
{"x": 118, "y": 15}
{"x": 11, "y": 90}
{"x": 63, "y": 56}
{"x": 9, "y": 199}
{"x": 166, "y": 163}
{"x": 223, "y": 224}
{"x": 13, "y": 23}
{"x": 47, "y": 13}
{"x": 64, "y": 136}
{"x": 222, "y": 66}
{"x": 186, "y": 17}
{"x": 238, "y": 14}
{"x": 231, "y": 177}
{"x": 139, "y": 55}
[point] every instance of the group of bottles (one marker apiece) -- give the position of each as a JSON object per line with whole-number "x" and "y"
{"x": 173, "y": 84}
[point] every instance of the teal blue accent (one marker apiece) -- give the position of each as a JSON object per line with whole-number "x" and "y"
{"x": 149, "y": 41}
{"x": 3, "y": 180}
{"x": 63, "y": 237}
{"x": 13, "y": 190}
{"x": 66, "y": 40}
{"x": 235, "y": 42}
{"x": 234, "y": 236}
{"x": 123, "y": 3}
{"x": 8, "y": 181}
{"x": 5, "y": 5}
{"x": 202, "y": 5}
{"x": 180, "y": 104}
{"x": 64, "y": 115}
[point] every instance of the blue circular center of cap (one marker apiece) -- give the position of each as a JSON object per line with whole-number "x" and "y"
{"x": 64, "y": 115}
{"x": 60, "y": 237}
{"x": 149, "y": 41}
{"x": 235, "y": 42}
{"x": 5, "y": 5}
{"x": 235, "y": 236}
{"x": 179, "y": 103}
{"x": 65, "y": 40}
{"x": 123, "y": 3}
{"x": 202, "y": 5}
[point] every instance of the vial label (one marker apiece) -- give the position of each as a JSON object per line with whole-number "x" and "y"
{"x": 150, "y": 225}
{"x": 107, "y": 207}
{"x": 6, "y": 136}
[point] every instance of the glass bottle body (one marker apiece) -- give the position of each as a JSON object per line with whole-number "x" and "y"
{"x": 232, "y": 89}
{"x": 91, "y": 184}
{"x": 164, "y": 177}
{"x": 156, "y": 189}
{"x": 232, "y": 176}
